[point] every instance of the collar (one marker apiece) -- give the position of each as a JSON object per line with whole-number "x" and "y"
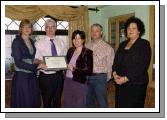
{"x": 96, "y": 43}
{"x": 48, "y": 38}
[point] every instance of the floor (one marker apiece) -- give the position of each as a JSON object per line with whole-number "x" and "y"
{"x": 149, "y": 103}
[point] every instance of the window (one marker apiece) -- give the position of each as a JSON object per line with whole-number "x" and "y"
{"x": 38, "y": 25}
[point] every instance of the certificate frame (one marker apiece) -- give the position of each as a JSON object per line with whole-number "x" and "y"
{"x": 50, "y": 63}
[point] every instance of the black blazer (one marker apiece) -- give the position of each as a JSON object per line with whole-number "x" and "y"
{"x": 20, "y": 51}
{"x": 134, "y": 62}
{"x": 84, "y": 64}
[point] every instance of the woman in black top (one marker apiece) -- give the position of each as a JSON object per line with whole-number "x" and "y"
{"x": 130, "y": 66}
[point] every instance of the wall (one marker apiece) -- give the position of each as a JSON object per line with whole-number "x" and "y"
{"x": 94, "y": 17}
{"x": 141, "y": 11}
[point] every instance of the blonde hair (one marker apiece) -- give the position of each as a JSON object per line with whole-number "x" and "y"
{"x": 23, "y": 23}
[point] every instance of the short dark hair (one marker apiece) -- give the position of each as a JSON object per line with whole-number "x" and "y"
{"x": 139, "y": 23}
{"x": 80, "y": 33}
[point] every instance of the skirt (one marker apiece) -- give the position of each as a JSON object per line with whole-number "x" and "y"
{"x": 25, "y": 90}
{"x": 74, "y": 94}
{"x": 130, "y": 96}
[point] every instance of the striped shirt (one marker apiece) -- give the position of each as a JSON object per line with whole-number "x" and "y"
{"x": 103, "y": 56}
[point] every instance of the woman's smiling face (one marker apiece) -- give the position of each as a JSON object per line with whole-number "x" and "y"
{"x": 132, "y": 31}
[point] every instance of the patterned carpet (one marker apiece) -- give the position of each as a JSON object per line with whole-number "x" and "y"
{"x": 149, "y": 103}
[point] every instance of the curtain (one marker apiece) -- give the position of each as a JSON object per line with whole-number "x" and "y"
{"x": 77, "y": 17}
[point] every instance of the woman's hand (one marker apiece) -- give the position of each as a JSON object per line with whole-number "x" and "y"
{"x": 37, "y": 61}
{"x": 115, "y": 75}
{"x": 121, "y": 80}
{"x": 42, "y": 66}
{"x": 70, "y": 67}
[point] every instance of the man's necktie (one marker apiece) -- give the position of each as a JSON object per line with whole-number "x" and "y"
{"x": 53, "y": 48}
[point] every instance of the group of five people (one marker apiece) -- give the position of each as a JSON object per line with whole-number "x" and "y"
{"x": 89, "y": 68}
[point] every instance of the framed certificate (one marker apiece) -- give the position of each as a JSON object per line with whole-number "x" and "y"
{"x": 55, "y": 62}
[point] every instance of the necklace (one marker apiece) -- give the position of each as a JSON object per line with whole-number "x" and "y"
{"x": 27, "y": 41}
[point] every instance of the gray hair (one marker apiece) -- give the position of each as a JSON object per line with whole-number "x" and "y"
{"x": 50, "y": 20}
{"x": 97, "y": 25}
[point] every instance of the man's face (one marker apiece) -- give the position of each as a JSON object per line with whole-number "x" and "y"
{"x": 26, "y": 30}
{"x": 95, "y": 33}
{"x": 50, "y": 29}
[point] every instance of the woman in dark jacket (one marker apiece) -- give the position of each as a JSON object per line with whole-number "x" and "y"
{"x": 130, "y": 66}
{"x": 25, "y": 91}
{"x": 80, "y": 65}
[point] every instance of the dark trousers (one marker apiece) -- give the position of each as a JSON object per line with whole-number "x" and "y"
{"x": 130, "y": 96}
{"x": 97, "y": 90}
{"x": 51, "y": 86}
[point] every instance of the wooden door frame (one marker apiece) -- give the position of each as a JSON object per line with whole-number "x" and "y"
{"x": 151, "y": 40}
{"x": 117, "y": 19}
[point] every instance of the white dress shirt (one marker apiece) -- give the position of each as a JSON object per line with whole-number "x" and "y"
{"x": 43, "y": 48}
